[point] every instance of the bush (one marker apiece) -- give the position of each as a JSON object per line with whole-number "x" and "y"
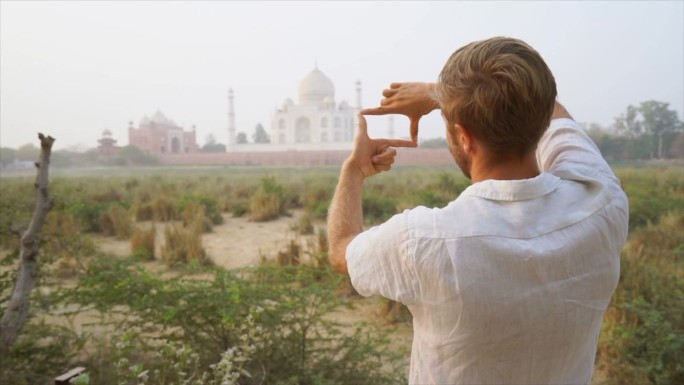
{"x": 183, "y": 245}
{"x": 239, "y": 209}
{"x": 164, "y": 210}
{"x": 143, "y": 212}
{"x": 277, "y": 319}
{"x": 142, "y": 243}
{"x": 304, "y": 225}
{"x": 643, "y": 333}
{"x": 209, "y": 205}
{"x": 268, "y": 202}
{"x": 194, "y": 216}
{"x": 89, "y": 213}
{"x": 116, "y": 222}
{"x": 377, "y": 207}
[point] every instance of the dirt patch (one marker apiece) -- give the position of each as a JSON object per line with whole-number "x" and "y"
{"x": 236, "y": 243}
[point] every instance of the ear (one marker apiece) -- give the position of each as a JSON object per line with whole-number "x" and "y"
{"x": 465, "y": 138}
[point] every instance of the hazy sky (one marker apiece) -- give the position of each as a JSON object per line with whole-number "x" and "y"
{"x": 72, "y": 69}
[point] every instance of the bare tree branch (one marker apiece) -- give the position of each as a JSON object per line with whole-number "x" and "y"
{"x": 17, "y": 311}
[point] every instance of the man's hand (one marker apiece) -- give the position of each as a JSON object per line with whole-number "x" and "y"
{"x": 372, "y": 156}
{"x": 411, "y": 99}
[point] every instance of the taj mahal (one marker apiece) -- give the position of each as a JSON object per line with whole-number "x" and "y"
{"x": 315, "y": 122}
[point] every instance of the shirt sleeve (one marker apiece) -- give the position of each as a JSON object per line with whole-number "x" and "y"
{"x": 565, "y": 146}
{"x": 378, "y": 261}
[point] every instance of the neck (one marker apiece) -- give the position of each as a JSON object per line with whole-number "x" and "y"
{"x": 509, "y": 168}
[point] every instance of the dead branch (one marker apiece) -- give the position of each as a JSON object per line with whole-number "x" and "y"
{"x": 17, "y": 310}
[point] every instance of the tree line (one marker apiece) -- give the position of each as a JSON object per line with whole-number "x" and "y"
{"x": 647, "y": 131}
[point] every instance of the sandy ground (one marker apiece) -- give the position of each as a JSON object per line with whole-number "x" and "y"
{"x": 236, "y": 243}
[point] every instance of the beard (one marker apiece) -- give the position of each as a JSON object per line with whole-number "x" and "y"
{"x": 462, "y": 160}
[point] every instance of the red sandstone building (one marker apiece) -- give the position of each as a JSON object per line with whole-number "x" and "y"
{"x": 107, "y": 148}
{"x": 160, "y": 135}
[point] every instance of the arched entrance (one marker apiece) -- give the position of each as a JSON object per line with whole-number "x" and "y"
{"x": 175, "y": 145}
{"x": 303, "y": 130}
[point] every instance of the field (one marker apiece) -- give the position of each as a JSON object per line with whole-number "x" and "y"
{"x": 220, "y": 275}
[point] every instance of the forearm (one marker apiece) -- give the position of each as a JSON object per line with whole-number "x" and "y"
{"x": 566, "y": 143}
{"x": 560, "y": 112}
{"x": 345, "y": 214}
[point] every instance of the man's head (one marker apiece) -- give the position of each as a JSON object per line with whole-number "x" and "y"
{"x": 501, "y": 92}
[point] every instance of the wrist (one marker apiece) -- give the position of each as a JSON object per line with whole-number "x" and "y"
{"x": 350, "y": 169}
{"x": 431, "y": 92}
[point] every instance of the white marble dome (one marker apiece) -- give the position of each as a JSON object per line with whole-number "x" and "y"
{"x": 315, "y": 87}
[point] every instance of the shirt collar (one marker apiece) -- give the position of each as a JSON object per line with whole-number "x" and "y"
{"x": 514, "y": 190}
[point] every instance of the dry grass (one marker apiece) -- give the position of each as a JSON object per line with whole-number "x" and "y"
{"x": 291, "y": 255}
{"x": 183, "y": 245}
{"x": 143, "y": 242}
{"x": 164, "y": 210}
{"x": 194, "y": 217}
{"x": 116, "y": 222}
{"x": 265, "y": 206}
{"x": 304, "y": 225}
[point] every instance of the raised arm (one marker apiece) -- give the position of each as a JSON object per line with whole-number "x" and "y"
{"x": 345, "y": 215}
{"x": 565, "y": 144}
{"x": 414, "y": 100}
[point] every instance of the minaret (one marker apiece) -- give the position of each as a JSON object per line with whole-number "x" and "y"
{"x": 358, "y": 95}
{"x": 390, "y": 127}
{"x": 231, "y": 121}
{"x": 358, "y": 108}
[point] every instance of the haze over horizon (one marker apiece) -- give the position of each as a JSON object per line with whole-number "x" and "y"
{"x": 74, "y": 69}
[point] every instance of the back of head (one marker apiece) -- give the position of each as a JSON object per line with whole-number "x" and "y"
{"x": 502, "y": 91}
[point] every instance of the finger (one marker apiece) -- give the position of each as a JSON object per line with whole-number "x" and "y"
{"x": 363, "y": 126}
{"x": 389, "y": 92}
{"x": 388, "y": 154}
{"x": 394, "y": 86}
{"x": 397, "y": 142}
{"x": 375, "y": 111}
{"x": 414, "y": 129}
{"x": 382, "y": 167}
{"x": 384, "y": 102}
{"x": 385, "y": 162}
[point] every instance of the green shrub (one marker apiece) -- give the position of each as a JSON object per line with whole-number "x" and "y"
{"x": 377, "y": 207}
{"x": 277, "y": 318}
{"x": 268, "y": 202}
{"x": 643, "y": 333}
{"x": 89, "y": 213}
{"x": 239, "y": 209}
{"x": 210, "y": 206}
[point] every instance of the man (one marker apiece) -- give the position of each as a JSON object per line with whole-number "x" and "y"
{"x": 508, "y": 283}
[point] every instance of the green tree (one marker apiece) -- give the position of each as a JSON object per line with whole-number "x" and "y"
{"x": 241, "y": 138}
{"x": 628, "y": 122}
{"x": 133, "y": 155}
{"x": 28, "y": 152}
{"x": 260, "y": 135}
{"x": 211, "y": 145}
{"x": 659, "y": 121}
{"x": 653, "y": 119}
{"x": 7, "y": 156}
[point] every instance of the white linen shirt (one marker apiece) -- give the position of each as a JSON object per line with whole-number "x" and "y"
{"x": 508, "y": 283}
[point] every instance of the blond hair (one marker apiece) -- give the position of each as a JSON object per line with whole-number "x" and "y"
{"x": 502, "y": 91}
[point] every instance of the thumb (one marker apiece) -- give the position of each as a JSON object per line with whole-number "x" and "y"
{"x": 414, "y": 128}
{"x": 363, "y": 126}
